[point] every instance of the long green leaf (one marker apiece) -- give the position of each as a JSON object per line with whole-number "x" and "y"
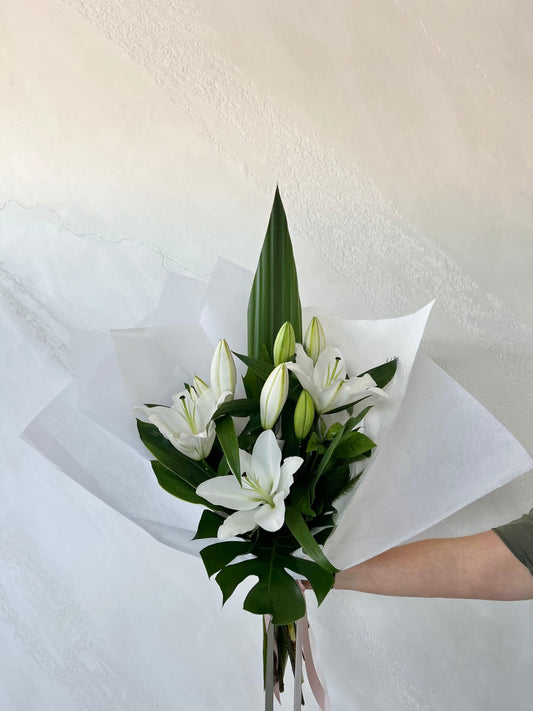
{"x": 237, "y": 408}
{"x": 353, "y": 444}
{"x": 260, "y": 367}
{"x": 176, "y": 486}
{"x": 187, "y": 469}
{"x": 383, "y": 373}
{"x": 230, "y": 446}
{"x": 301, "y": 532}
{"x": 274, "y": 297}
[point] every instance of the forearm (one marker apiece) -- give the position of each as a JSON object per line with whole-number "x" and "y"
{"x": 478, "y": 566}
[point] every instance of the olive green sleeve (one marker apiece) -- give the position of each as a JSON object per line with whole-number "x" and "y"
{"x": 518, "y": 537}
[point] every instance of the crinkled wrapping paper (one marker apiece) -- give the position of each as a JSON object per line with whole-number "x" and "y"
{"x": 438, "y": 448}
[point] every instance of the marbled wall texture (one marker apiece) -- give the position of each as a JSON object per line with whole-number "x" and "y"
{"x": 137, "y": 137}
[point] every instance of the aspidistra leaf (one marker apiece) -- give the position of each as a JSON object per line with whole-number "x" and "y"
{"x": 274, "y": 297}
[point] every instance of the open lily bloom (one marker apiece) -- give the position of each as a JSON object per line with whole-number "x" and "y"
{"x": 326, "y": 380}
{"x": 260, "y": 500}
{"x": 187, "y": 424}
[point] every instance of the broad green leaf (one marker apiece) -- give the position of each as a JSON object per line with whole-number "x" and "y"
{"x": 208, "y": 525}
{"x": 301, "y": 532}
{"x": 277, "y": 594}
{"x": 237, "y": 408}
{"x": 218, "y": 555}
{"x": 232, "y": 575}
{"x": 314, "y": 444}
{"x": 274, "y": 297}
{"x": 176, "y": 486}
{"x": 321, "y": 580}
{"x": 383, "y": 373}
{"x": 352, "y": 445}
{"x": 187, "y": 469}
{"x": 228, "y": 440}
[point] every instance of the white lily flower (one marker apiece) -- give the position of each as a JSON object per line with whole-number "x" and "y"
{"x": 187, "y": 424}
{"x": 260, "y": 500}
{"x": 273, "y": 396}
{"x": 223, "y": 373}
{"x": 326, "y": 381}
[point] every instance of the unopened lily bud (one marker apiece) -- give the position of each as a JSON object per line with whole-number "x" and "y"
{"x": 273, "y": 396}
{"x": 304, "y": 414}
{"x": 223, "y": 372}
{"x": 198, "y": 387}
{"x": 315, "y": 339}
{"x": 285, "y": 344}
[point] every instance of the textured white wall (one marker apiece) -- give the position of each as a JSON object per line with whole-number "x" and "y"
{"x": 137, "y": 137}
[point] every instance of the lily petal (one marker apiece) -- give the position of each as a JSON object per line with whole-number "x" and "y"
{"x": 271, "y": 518}
{"x": 286, "y": 477}
{"x": 266, "y": 458}
{"x": 167, "y": 421}
{"x": 237, "y": 523}
{"x": 246, "y": 464}
{"x": 226, "y": 491}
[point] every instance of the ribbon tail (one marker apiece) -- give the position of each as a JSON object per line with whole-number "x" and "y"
{"x": 268, "y": 621}
{"x": 319, "y": 689}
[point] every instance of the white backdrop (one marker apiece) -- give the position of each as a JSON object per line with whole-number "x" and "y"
{"x": 141, "y": 137}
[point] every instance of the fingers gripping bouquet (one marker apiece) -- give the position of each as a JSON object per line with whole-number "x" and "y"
{"x": 269, "y": 467}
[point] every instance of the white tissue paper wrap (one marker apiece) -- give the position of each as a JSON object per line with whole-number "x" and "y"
{"x": 438, "y": 448}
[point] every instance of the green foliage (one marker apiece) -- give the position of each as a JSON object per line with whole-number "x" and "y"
{"x": 383, "y": 373}
{"x": 352, "y": 445}
{"x": 176, "y": 486}
{"x": 193, "y": 473}
{"x": 276, "y": 592}
{"x": 208, "y": 526}
{"x": 243, "y": 407}
{"x": 228, "y": 441}
{"x": 301, "y": 532}
{"x": 261, "y": 368}
{"x": 314, "y": 444}
{"x": 274, "y": 297}
{"x": 218, "y": 555}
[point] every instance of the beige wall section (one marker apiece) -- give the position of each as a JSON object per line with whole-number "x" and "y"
{"x": 400, "y": 135}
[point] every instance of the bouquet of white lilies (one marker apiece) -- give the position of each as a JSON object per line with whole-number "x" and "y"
{"x": 273, "y": 458}
{"x": 268, "y": 466}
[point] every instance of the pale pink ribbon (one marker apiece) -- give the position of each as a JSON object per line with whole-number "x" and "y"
{"x": 319, "y": 690}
